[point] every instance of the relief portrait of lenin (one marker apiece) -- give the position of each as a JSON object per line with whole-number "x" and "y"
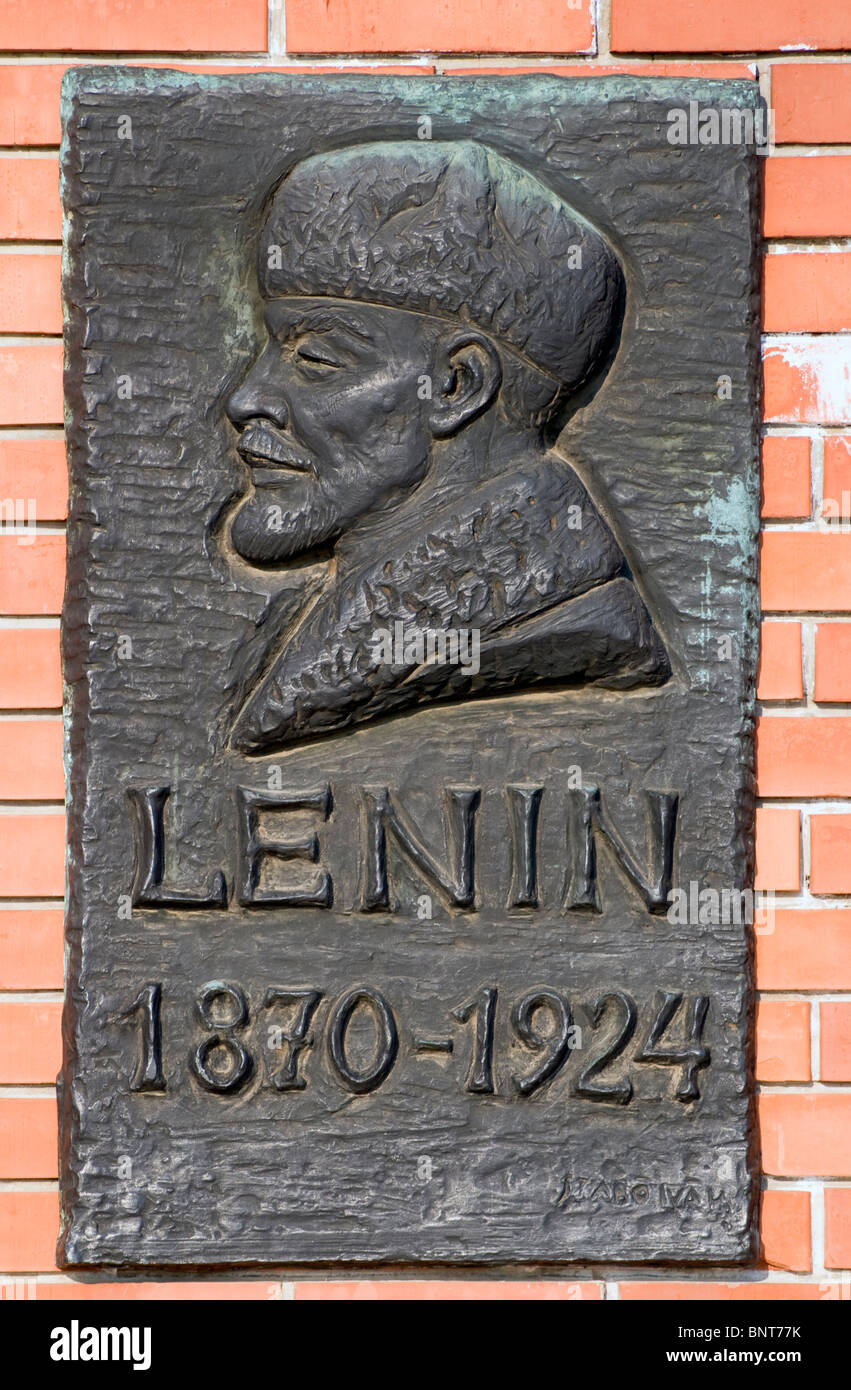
{"x": 433, "y": 310}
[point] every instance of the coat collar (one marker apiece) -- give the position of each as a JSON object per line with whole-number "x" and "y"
{"x": 519, "y": 548}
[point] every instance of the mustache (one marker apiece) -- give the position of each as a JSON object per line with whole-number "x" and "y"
{"x": 260, "y": 442}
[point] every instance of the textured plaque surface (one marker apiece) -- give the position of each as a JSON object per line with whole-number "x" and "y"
{"x": 409, "y": 642}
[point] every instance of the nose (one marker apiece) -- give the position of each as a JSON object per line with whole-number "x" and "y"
{"x": 260, "y": 394}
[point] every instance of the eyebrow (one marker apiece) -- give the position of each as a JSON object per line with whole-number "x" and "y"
{"x": 321, "y": 321}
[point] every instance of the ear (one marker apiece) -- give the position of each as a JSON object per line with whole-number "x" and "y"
{"x": 467, "y": 378}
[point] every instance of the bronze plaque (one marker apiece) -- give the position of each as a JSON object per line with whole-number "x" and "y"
{"x": 409, "y": 640}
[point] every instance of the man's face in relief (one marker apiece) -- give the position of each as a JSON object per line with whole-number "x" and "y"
{"x": 330, "y": 420}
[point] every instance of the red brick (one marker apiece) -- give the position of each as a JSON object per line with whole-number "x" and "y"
{"x": 806, "y": 950}
{"x": 783, "y": 1040}
{"x": 835, "y": 1035}
{"x": 102, "y": 26}
{"x": 812, "y": 103}
{"x": 32, "y": 855}
{"x": 31, "y": 384}
{"x": 324, "y": 69}
{"x": 700, "y": 1291}
{"x": 30, "y": 668}
{"x": 808, "y": 380}
{"x": 807, "y": 292}
{"x": 29, "y": 103}
{"x": 804, "y": 756}
{"x": 780, "y": 674}
{"x": 35, "y": 469}
{"x": 807, "y": 197}
{"x": 29, "y": 1228}
{"x": 727, "y": 26}
{"x": 30, "y": 297}
{"x": 439, "y": 26}
{"x": 29, "y": 199}
{"x": 805, "y": 1134}
{"x": 629, "y": 69}
{"x": 199, "y": 1291}
{"x": 833, "y": 662}
{"x": 830, "y": 854}
{"x": 837, "y": 1228}
{"x": 778, "y": 849}
{"x": 446, "y": 1290}
{"x": 31, "y": 760}
{"x": 28, "y": 1137}
{"x": 30, "y": 1042}
{"x": 836, "y": 490}
{"x": 32, "y": 577}
{"x": 785, "y": 1229}
{"x": 805, "y": 572}
{"x": 31, "y": 950}
{"x": 786, "y": 476}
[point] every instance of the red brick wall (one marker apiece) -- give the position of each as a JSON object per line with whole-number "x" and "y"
{"x": 795, "y": 48}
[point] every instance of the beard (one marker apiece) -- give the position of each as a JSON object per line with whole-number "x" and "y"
{"x": 275, "y": 525}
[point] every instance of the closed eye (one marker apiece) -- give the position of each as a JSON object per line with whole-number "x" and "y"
{"x": 316, "y": 355}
